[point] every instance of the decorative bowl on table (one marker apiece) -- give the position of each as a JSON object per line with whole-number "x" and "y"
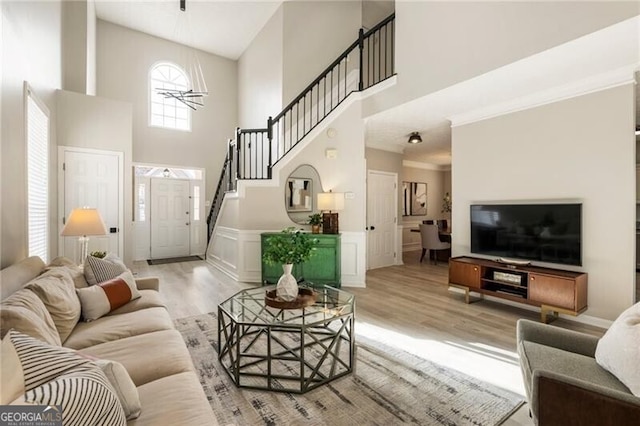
{"x": 306, "y": 297}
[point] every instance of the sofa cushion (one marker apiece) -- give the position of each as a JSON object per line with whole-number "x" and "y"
{"x": 618, "y": 351}
{"x": 57, "y": 376}
{"x": 174, "y": 400}
{"x": 114, "y": 327}
{"x": 25, "y": 312}
{"x": 11, "y": 374}
{"x": 147, "y": 357}
{"x": 76, "y": 272}
{"x": 56, "y": 290}
{"x": 147, "y": 299}
{"x": 123, "y": 386}
{"x": 104, "y": 297}
{"x": 580, "y": 367}
{"x": 97, "y": 270}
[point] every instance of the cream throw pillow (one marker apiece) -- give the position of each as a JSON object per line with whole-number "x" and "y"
{"x": 12, "y": 383}
{"x": 100, "y": 299}
{"x": 618, "y": 351}
{"x": 123, "y": 385}
{"x": 58, "y": 293}
{"x": 25, "y": 312}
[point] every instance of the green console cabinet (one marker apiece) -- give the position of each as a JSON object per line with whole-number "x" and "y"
{"x": 322, "y": 268}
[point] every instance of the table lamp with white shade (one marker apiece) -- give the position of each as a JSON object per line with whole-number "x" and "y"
{"x": 81, "y": 223}
{"x": 329, "y": 203}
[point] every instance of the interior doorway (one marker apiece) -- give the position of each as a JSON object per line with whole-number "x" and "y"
{"x": 169, "y": 216}
{"x": 91, "y": 178}
{"x": 382, "y": 213}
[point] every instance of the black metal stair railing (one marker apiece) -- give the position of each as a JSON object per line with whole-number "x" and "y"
{"x": 367, "y": 61}
{"x": 228, "y": 182}
{"x": 374, "y": 50}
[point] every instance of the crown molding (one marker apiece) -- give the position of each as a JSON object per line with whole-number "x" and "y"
{"x": 618, "y": 77}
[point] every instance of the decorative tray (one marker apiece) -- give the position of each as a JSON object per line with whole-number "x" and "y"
{"x": 306, "y": 297}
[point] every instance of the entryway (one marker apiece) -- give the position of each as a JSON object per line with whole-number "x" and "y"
{"x": 169, "y": 215}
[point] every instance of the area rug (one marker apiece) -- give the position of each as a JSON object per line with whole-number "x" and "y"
{"x": 173, "y": 260}
{"x": 387, "y": 387}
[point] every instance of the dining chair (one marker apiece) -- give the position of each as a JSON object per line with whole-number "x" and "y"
{"x": 428, "y": 222}
{"x": 431, "y": 241}
{"x": 442, "y": 224}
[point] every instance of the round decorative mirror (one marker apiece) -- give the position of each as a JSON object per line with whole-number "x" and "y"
{"x": 301, "y": 193}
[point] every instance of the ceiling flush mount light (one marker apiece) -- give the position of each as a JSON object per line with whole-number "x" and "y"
{"x": 414, "y": 138}
{"x": 194, "y": 96}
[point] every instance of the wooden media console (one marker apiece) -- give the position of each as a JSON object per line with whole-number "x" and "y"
{"x": 553, "y": 290}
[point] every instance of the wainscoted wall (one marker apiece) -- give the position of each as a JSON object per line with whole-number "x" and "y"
{"x": 410, "y": 240}
{"x": 227, "y": 243}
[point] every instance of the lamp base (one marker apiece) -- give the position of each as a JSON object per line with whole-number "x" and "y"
{"x": 329, "y": 223}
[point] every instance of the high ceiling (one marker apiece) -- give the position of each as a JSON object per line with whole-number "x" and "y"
{"x": 223, "y": 28}
{"x": 226, "y": 28}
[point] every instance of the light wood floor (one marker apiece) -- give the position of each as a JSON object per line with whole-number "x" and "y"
{"x": 408, "y": 306}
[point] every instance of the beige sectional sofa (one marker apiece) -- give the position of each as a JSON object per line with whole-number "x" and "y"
{"x": 139, "y": 335}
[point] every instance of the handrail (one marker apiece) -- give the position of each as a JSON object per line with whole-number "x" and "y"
{"x": 253, "y": 152}
{"x": 317, "y": 80}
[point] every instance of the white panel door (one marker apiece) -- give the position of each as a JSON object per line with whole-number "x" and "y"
{"x": 382, "y": 209}
{"x": 92, "y": 179}
{"x": 169, "y": 218}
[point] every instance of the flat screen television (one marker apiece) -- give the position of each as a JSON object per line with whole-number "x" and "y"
{"x": 536, "y": 232}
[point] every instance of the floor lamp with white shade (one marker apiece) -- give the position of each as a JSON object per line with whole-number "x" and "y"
{"x": 81, "y": 223}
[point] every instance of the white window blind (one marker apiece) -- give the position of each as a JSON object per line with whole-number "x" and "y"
{"x": 37, "y": 178}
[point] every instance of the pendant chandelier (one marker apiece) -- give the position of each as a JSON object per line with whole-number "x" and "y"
{"x": 193, "y": 96}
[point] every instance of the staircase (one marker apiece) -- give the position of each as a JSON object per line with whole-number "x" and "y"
{"x": 253, "y": 153}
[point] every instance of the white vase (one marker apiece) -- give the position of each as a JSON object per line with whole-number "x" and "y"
{"x": 287, "y": 288}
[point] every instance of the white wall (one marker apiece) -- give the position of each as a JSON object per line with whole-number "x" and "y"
{"x": 260, "y": 75}
{"x": 100, "y": 123}
{"x": 441, "y": 43}
{"x": 31, "y": 33}
{"x": 74, "y": 45}
{"x": 315, "y": 33}
{"x": 124, "y": 60}
{"x": 578, "y": 149}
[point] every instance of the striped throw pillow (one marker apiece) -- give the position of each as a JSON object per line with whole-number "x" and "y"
{"x": 98, "y": 270}
{"x": 58, "y": 376}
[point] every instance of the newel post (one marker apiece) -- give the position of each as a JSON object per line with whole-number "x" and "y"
{"x": 270, "y": 137}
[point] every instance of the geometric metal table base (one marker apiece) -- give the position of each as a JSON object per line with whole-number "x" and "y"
{"x": 286, "y": 350}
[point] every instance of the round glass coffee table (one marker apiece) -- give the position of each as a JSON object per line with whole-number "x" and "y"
{"x": 286, "y": 350}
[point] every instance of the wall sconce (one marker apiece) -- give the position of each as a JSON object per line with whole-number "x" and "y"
{"x": 81, "y": 223}
{"x": 329, "y": 203}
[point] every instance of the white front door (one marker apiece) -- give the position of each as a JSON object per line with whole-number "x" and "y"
{"x": 92, "y": 178}
{"x": 169, "y": 218}
{"x": 382, "y": 210}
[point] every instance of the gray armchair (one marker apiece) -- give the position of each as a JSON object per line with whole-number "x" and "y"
{"x": 564, "y": 384}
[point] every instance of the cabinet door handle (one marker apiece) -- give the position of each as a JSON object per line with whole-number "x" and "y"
{"x": 533, "y": 278}
{"x": 373, "y": 227}
{"x": 475, "y": 268}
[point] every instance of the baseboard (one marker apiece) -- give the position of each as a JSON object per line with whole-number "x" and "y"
{"x": 582, "y": 318}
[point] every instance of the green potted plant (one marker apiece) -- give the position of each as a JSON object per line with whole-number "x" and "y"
{"x": 289, "y": 247}
{"x": 315, "y": 220}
